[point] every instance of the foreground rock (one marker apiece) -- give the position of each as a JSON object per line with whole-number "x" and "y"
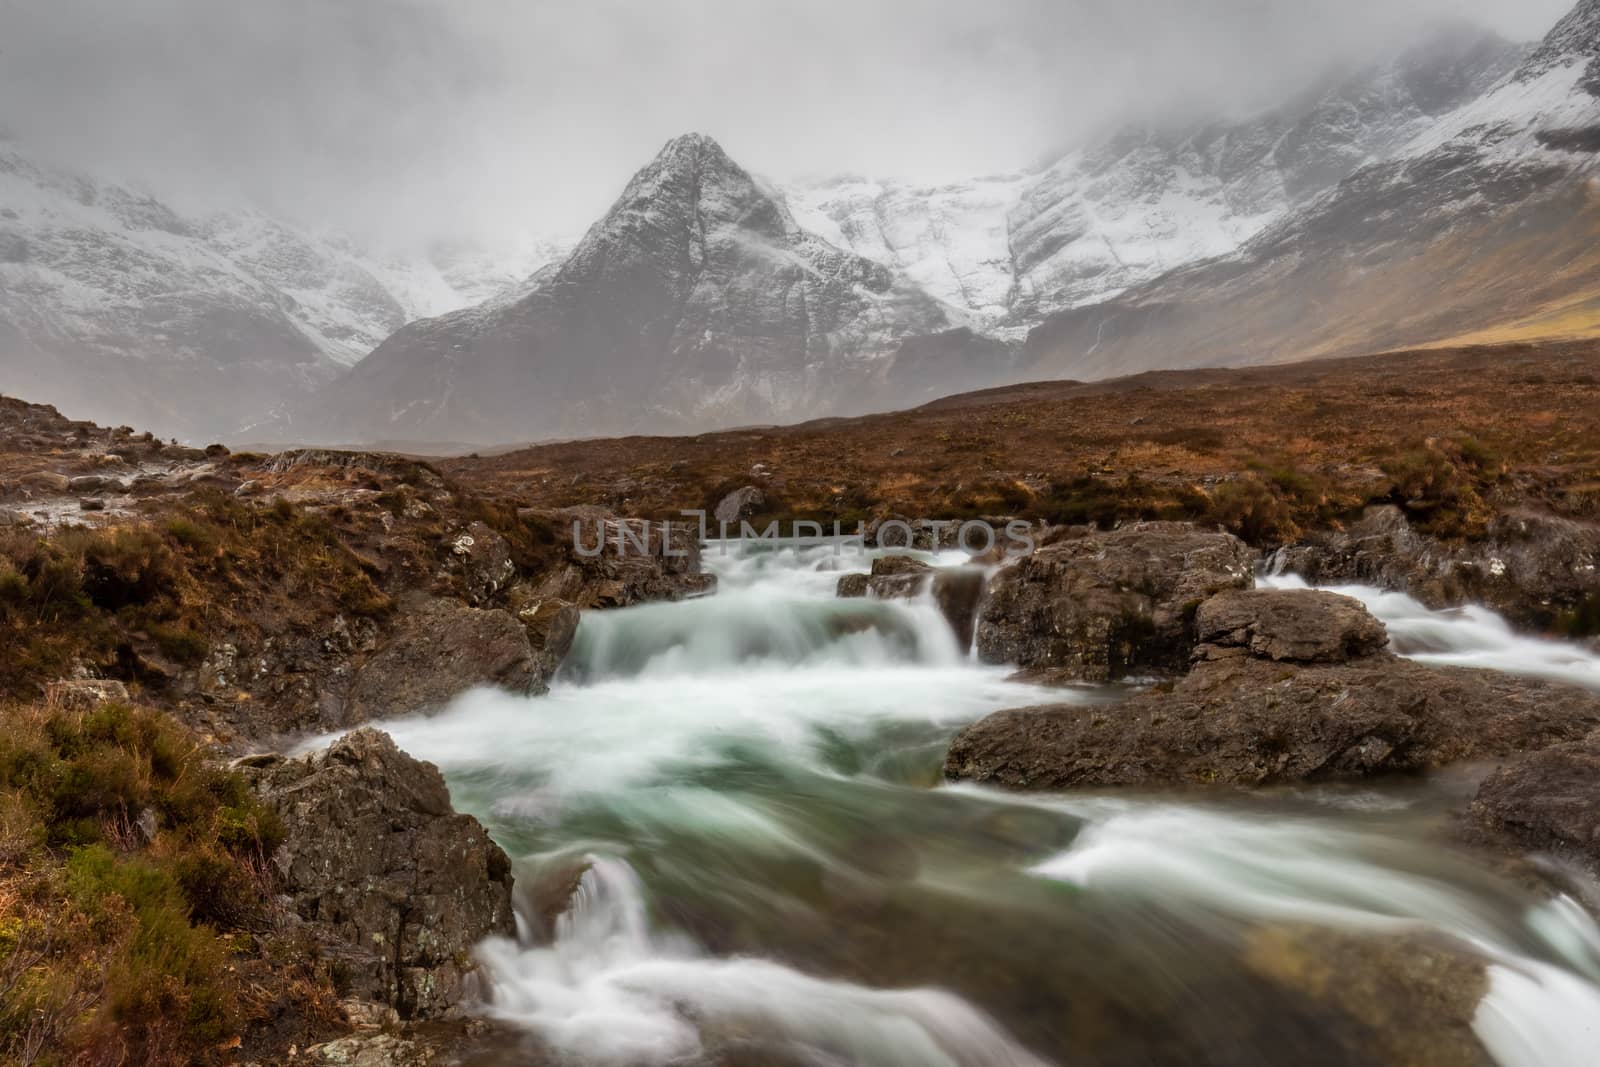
{"x": 1289, "y": 686}
{"x": 384, "y": 872}
{"x": 956, "y": 590}
{"x": 1403, "y": 997}
{"x": 1100, "y": 606}
{"x": 1540, "y": 571}
{"x": 1548, "y": 802}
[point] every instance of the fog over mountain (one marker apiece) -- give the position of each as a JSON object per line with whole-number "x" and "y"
{"x": 420, "y": 119}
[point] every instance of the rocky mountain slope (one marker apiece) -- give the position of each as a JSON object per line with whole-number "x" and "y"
{"x": 697, "y": 300}
{"x": 119, "y": 307}
{"x": 1143, "y": 201}
{"x": 1482, "y": 227}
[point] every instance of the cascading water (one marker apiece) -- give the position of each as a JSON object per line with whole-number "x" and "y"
{"x": 1469, "y": 636}
{"x": 745, "y": 791}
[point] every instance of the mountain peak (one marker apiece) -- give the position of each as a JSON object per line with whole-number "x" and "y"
{"x": 1575, "y": 38}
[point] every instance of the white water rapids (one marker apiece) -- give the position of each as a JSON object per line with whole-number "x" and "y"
{"x": 772, "y": 872}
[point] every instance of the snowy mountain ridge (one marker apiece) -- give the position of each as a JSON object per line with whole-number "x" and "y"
{"x": 1124, "y": 210}
{"x": 106, "y": 291}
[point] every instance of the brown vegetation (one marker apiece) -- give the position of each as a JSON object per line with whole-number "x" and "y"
{"x": 1449, "y": 435}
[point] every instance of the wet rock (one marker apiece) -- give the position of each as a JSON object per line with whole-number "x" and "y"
{"x": 382, "y": 869}
{"x": 1548, "y": 801}
{"x": 437, "y": 650}
{"x": 891, "y": 577}
{"x": 956, "y": 590}
{"x": 45, "y": 482}
{"x": 82, "y": 694}
{"x": 372, "y": 1050}
{"x": 1299, "y": 626}
{"x": 12, "y": 517}
{"x": 1405, "y": 997}
{"x": 1540, "y": 571}
{"x": 551, "y": 624}
{"x": 616, "y": 564}
{"x": 1100, "y": 606}
{"x": 959, "y": 591}
{"x": 483, "y": 559}
{"x": 739, "y": 504}
{"x": 92, "y": 483}
{"x": 1244, "y": 717}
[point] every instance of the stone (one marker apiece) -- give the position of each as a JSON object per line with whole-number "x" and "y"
{"x": 552, "y": 625}
{"x": 437, "y": 650}
{"x": 610, "y": 571}
{"x": 12, "y": 517}
{"x": 483, "y": 559}
{"x": 1100, "y": 606}
{"x": 372, "y": 1050}
{"x": 1548, "y": 801}
{"x": 83, "y": 694}
{"x": 1298, "y": 626}
{"x": 1541, "y": 571}
{"x": 1246, "y": 714}
{"x": 46, "y": 482}
{"x": 956, "y": 590}
{"x": 739, "y": 504}
{"x": 378, "y": 865}
{"x": 1405, "y": 996}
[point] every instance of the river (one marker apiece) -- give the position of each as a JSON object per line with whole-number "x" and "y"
{"x": 773, "y": 872}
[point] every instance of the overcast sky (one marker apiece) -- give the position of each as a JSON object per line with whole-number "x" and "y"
{"x": 424, "y": 118}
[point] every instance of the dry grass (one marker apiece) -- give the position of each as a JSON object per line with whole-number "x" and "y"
{"x": 1323, "y": 438}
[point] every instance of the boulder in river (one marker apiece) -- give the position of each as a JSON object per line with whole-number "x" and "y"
{"x": 1247, "y": 714}
{"x": 384, "y": 872}
{"x": 1541, "y": 571}
{"x": 437, "y": 649}
{"x": 956, "y": 590}
{"x": 1548, "y": 801}
{"x": 1102, "y": 605}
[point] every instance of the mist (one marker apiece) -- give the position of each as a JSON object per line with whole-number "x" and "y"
{"x": 418, "y": 120}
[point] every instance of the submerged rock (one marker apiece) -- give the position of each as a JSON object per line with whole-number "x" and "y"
{"x": 1250, "y": 714}
{"x": 1406, "y": 997}
{"x": 396, "y": 884}
{"x": 1100, "y": 606}
{"x": 1548, "y": 801}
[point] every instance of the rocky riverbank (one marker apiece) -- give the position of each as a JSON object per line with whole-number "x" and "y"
{"x": 254, "y": 600}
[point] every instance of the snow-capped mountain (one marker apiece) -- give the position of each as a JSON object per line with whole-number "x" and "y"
{"x": 120, "y": 308}
{"x": 697, "y": 300}
{"x": 1484, "y": 226}
{"x": 1122, "y": 211}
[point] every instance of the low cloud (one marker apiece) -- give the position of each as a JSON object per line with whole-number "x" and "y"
{"x": 420, "y": 119}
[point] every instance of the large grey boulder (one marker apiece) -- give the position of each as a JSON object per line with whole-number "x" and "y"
{"x": 1102, "y": 605}
{"x": 396, "y": 884}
